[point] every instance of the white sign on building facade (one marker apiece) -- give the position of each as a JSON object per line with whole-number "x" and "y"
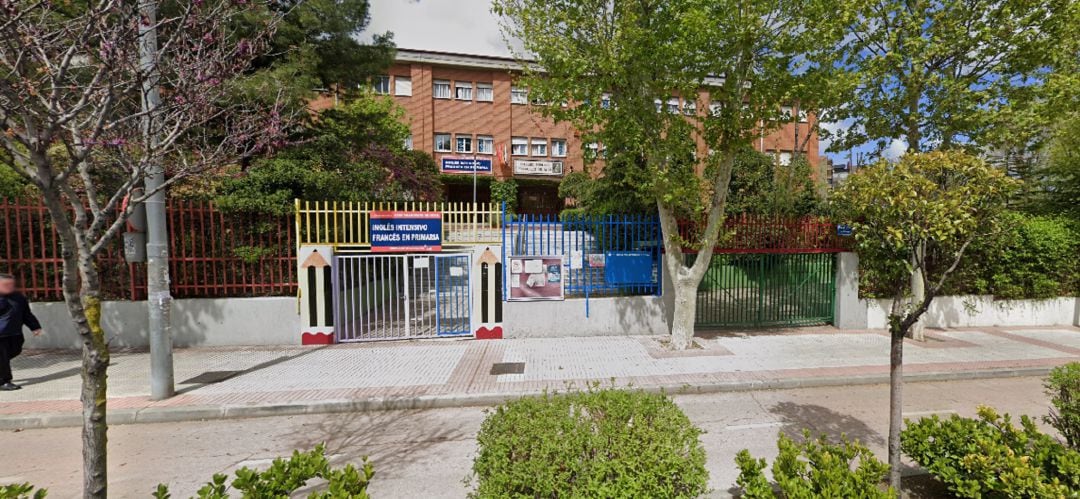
{"x": 537, "y": 167}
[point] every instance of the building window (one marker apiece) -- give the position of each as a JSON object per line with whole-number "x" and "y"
{"x": 463, "y": 143}
{"x": 484, "y": 92}
{"x": 440, "y": 89}
{"x": 402, "y": 85}
{"x": 485, "y": 144}
{"x": 592, "y": 151}
{"x": 519, "y": 146}
{"x": 558, "y": 148}
{"x": 381, "y": 85}
{"x": 519, "y": 95}
{"x": 442, "y": 142}
{"x": 786, "y": 113}
{"x": 605, "y": 101}
{"x": 408, "y": 142}
{"x": 714, "y": 108}
{"x": 803, "y": 115}
{"x": 659, "y": 105}
{"x": 785, "y": 158}
{"x": 689, "y": 108}
{"x": 539, "y": 147}
{"x": 463, "y": 90}
{"x": 673, "y": 105}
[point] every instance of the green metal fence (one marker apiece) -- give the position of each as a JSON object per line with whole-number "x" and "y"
{"x": 767, "y": 289}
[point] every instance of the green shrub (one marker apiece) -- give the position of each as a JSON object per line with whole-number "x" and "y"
{"x": 21, "y": 491}
{"x": 286, "y": 476}
{"x": 815, "y": 468}
{"x": 989, "y": 456}
{"x": 1063, "y": 387}
{"x": 600, "y": 443}
{"x": 505, "y": 191}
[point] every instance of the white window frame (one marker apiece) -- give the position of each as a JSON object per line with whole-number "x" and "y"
{"x": 540, "y": 142}
{"x": 449, "y": 142}
{"x": 441, "y": 84}
{"x": 403, "y": 86}
{"x": 689, "y": 107}
{"x": 490, "y": 97}
{"x": 673, "y": 105}
{"x": 457, "y": 142}
{"x": 515, "y": 143}
{"x": 467, "y": 87}
{"x": 591, "y": 151}
{"x": 408, "y": 142}
{"x": 714, "y": 108}
{"x": 787, "y": 113}
{"x": 381, "y": 85}
{"x": 605, "y": 101}
{"x": 560, "y": 150}
{"x": 481, "y": 141}
{"x": 804, "y": 116}
{"x": 519, "y": 95}
{"x": 784, "y": 158}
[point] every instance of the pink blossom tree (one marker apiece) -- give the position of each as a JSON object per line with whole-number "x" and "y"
{"x": 72, "y": 121}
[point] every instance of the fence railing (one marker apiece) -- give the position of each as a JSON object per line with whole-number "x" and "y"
{"x": 212, "y": 254}
{"x": 602, "y": 255}
{"x": 745, "y": 233}
{"x": 349, "y": 224}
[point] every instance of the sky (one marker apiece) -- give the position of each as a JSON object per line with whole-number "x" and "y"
{"x": 469, "y": 27}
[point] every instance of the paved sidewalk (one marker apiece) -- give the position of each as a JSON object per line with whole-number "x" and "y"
{"x": 257, "y": 381}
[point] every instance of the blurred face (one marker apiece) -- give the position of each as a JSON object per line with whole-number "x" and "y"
{"x": 7, "y": 286}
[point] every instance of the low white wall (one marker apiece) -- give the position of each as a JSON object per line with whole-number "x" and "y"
{"x": 624, "y": 315}
{"x": 984, "y": 311}
{"x": 195, "y": 322}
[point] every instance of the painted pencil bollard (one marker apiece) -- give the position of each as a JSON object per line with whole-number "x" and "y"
{"x": 316, "y": 291}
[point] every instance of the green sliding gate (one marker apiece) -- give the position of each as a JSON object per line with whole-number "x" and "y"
{"x": 767, "y": 289}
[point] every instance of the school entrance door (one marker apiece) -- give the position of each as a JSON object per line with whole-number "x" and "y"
{"x": 388, "y": 297}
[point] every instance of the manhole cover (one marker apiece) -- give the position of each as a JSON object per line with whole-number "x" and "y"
{"x": 210, "y": 377}
{"x": 507, "y": 368}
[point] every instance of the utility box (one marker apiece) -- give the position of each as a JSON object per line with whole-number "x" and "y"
{"x": 135, "y": 247}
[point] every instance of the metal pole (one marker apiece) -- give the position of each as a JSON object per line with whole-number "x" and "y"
{"x": 474, "y": 177}
{"x": 159, "y": 301}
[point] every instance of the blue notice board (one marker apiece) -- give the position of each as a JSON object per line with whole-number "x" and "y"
{"x": 466, "y": 165}
{"x": 843, "y": 230}
{"x": 403, "y": 231}
{"x": 628, "y": 267}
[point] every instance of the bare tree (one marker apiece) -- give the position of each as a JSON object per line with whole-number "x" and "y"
{"x": 71, "y": 85}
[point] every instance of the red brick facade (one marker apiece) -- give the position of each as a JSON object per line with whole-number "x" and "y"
{"x": 502, "y": 121}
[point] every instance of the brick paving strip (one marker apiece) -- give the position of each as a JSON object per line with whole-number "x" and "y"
{"x": 262, "y": 381}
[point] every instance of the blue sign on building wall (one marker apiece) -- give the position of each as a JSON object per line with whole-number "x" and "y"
{"x": 843, "y": 230}
{"x": 403, "y": 231}
{"x": 466, "y": 165}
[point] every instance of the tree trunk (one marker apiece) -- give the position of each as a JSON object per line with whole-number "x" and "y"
{"x": 94, "y": 374}
{"x": 896, "y": 404}
{"x": 918, "y": 293}
{"x": 682, "y": 324}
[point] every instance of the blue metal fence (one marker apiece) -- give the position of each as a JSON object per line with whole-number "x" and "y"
{"x": 603, "y": 255}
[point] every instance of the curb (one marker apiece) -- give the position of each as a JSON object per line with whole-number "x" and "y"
{"x": 203, "y": 413}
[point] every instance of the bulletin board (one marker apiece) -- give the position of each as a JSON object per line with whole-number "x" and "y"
{"x": 535, "y": 278}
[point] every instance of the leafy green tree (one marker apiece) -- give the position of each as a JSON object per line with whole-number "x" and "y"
{"x": 762, "y": 186}
{"x": 952, "y": 72}
{"x": 918, "y": 216}
{"x": 727, "y": 65}
{"x": 353, "y": 152}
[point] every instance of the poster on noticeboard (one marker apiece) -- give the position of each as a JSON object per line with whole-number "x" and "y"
{"x": 535, "y": 278}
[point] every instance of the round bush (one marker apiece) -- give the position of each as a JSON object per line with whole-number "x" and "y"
{"x": 600, "y": 443}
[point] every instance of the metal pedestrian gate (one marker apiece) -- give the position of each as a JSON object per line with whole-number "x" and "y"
{"x": 767, "y": 289}
{"x": 384, "y": 297}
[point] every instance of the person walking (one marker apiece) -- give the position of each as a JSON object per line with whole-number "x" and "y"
{"x": 14, "y": 314}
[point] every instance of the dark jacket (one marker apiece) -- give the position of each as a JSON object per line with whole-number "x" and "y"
{"x": 14, "y": 314}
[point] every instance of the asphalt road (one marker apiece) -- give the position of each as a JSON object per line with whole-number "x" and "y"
{"x": 428, "y": 453}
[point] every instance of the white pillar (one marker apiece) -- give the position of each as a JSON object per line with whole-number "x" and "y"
{"x": 848, "y": 311}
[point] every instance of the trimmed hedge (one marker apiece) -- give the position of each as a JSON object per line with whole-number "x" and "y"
{"x": 600, "y": 443}
{"x": 1063, "y": 387}
{"x": 815, "y": 468}
{"x": 989, "y": 457}
{"x": 1032, "y": 257}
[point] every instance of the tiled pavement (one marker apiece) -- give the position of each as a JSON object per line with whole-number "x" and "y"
{"x": 278, "y": 380}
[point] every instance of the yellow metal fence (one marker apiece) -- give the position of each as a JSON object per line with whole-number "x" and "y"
{"x": 338, "y": 223}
